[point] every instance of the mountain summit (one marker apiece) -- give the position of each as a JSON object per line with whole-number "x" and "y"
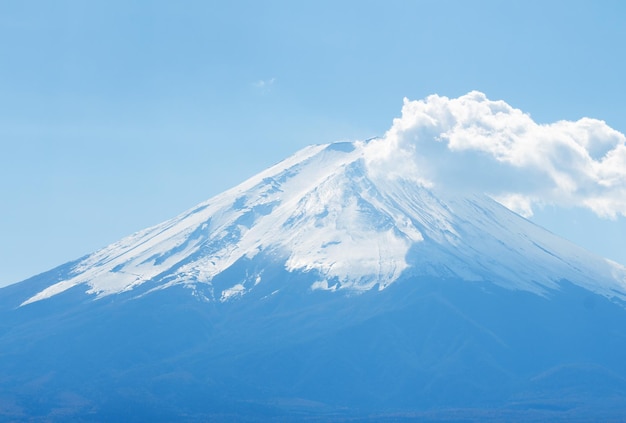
{"x": 324, "y": 213}
{"x": 343, "y": 283}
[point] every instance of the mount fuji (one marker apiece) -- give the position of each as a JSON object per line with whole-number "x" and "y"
{"x": 320, "y": 289}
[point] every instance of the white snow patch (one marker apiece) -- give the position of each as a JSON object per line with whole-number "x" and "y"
{"x": 323, "y": 286}
{"x": 234, "y": 291}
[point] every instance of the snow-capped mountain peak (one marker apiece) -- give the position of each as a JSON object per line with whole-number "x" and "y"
{"x": 323, "y": 211}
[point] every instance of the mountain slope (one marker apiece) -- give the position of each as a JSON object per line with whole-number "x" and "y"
{"x": 322, "y": 211}
{"x": 322, "y": 290}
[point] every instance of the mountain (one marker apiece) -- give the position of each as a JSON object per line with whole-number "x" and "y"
{"x": 320, "y": 289}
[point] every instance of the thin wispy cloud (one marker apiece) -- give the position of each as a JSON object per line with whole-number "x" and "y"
{"x": 472, "y": 143}
{"x": 264, "y": 85}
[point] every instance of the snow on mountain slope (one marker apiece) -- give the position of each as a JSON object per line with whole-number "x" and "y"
{"x": 321, "y": 210}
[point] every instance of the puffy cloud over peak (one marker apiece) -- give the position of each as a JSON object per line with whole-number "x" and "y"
{"x": 472, "y": 143}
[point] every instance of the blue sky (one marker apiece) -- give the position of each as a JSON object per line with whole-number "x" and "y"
{"x": 117, "y": 115}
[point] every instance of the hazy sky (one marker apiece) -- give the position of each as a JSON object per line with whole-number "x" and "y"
{"x": 117, "y": 115}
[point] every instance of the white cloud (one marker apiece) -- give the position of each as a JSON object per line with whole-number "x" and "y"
{"x": 472, "y": 143}
{"x": 264, "y": 84}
